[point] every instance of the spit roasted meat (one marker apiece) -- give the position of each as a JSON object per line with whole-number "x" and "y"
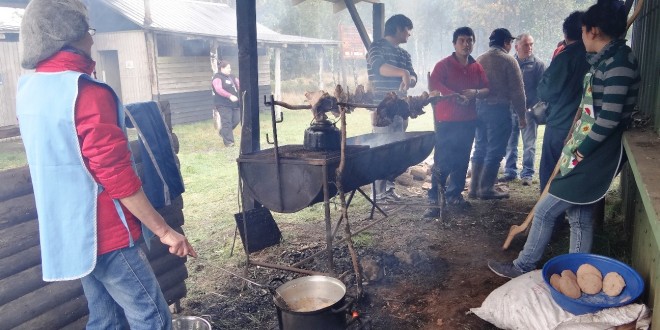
{"x": 409, "y": 107}
{"x": 321, "y": 102}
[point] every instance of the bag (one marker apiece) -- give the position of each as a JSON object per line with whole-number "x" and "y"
{"x": 539, "y": 112}
{"x": 262, "y": 231}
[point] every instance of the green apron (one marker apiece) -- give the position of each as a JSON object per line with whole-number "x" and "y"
{"x": 587, "y": 181}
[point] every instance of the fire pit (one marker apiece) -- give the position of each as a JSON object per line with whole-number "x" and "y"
{"x": 302, "y": 173}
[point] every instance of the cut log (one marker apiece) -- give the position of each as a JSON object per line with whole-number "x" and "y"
{"x": 18, "y": 238}
{"x": 17, "y": 210}
{"x": 35, "y": 303}
{"x": 405, "y": 179}
{"x": 66, "y": 313}
{"x": 20, "y": 261}
{"x": 419, "y": 173}
{"x": 15, "y": 182}
{"x": 20, "y": 284}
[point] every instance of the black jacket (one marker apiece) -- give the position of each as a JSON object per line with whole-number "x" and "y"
{"x": 561, "y": 85}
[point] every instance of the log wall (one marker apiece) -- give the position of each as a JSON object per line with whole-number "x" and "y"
{"x": 27, "y": 302}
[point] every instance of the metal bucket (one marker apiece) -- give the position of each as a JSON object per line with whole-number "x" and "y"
{"x": 190, "y": 323}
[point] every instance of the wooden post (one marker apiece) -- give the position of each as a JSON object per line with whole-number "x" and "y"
{"x": 379, "y": 20}
{"x": 151, "y": 51}
{"x": 246, "y": 21}
{"x": 319, "y": 52}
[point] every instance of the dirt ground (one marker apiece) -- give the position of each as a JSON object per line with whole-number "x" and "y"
{"x": 433, "y": 272}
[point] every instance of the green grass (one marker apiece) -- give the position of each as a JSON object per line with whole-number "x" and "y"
{"x": 12, "y": 154}
{"x": 211, "y": 177}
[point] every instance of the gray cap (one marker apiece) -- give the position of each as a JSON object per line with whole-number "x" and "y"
{"x": 47, "y": 26}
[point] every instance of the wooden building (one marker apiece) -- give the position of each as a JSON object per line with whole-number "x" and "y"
{"x": 10, "y": 70}
{"x": 166, "y": 50}
{"x": 161, "y": 50}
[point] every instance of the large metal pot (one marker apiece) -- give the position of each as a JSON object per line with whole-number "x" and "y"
{"x": 312, "y": 302}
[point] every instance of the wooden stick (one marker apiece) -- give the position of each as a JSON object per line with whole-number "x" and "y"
{"x": 517, "y": 229}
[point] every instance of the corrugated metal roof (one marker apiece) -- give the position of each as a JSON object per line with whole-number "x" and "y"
{"x": 201, "y": 19}
{"x": 10, "y": 19}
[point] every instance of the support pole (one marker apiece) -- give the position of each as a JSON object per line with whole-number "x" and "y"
{"x": 379, "y": 20}
{"x": 246, "y": 21}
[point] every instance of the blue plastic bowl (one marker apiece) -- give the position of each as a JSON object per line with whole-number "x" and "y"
{"x": 588, "y": 303}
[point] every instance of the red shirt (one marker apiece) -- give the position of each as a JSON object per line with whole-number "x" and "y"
{"x": 104, "y": 149}
{"x": 450, "y": 76}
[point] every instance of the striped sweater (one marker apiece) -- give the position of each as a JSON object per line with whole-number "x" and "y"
{"x": 615, "y": 84}
{"x": 383, "y": 52}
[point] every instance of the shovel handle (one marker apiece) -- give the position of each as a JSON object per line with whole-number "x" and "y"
{"x": 517, "y": 229}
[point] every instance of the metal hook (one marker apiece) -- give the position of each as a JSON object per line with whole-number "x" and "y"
{"x": 268, "y": 139}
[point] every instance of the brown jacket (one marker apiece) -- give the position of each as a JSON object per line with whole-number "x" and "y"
{"x": 505, "y": 79}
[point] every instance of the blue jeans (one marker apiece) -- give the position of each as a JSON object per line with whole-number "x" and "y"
{"x": 398, "y": 125}
{"x": 123, "y": 289}
{"x": 493, "y": 131}
{"x": 529, "y": 148}
{"x": 548, "y": 209}
{"x": 453, "y": 143}
{"x": 553, "y": 143}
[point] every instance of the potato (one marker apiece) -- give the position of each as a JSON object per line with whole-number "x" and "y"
{"x": 613, "y": 284}
{"x": 555, "y": 280}
{"x": 568, "y": 285}
{"x": 589, "y": 279}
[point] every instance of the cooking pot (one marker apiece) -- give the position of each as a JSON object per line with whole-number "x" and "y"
{"x": 322, "y": 136}
{"x": 312, "y": 302}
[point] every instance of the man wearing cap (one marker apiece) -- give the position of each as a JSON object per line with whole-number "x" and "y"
{"x": 494, "y": 114}
{"x": 532, "y": 69}
{"x": 89, "y": 199}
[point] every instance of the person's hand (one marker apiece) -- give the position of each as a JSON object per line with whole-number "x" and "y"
{"x": 178, "y": 244}
{"x": 233, "y": 98}
{"x": 522, "y": 122}
{"x": 413, "y": 81}
{"x": 470, "y": 94}
{"x": 461, "y": 99}
{"x": 578, "y": 156}
{"x": 405, "y": 81}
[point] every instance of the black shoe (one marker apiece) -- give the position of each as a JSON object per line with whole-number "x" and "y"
{"x": 526, "y": 181}
{"x": 431, "y": 213}
{"x": 458, "y": 202}
{"x": 507, "y": 178}
{"x": 504, "y": 269}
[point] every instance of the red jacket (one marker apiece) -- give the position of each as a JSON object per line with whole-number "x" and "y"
{"x": 104, "y": 149}
{"x": 450, "y": 76}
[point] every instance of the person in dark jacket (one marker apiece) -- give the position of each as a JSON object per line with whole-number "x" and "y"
{"x": 593, "y": 155}
{"x": 561, "y": 87}
{"x": 226, "y": 101}
{"x": 532, "y": 69}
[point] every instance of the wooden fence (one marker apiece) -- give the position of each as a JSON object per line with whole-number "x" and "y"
{"x": 26, "y": 301}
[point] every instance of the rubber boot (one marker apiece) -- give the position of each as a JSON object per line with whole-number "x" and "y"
{"x": 474, "y": 180}
{"x": 486, "y": 183}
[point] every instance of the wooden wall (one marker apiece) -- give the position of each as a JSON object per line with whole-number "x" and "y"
{"x": 27, "y": 302}
{"x": 133, "y": 63}
{"x": 10, "y": 71}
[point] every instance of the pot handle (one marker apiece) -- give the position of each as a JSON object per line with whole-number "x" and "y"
{"x": 274, "y": 284}
{"x": 349, "y": 302}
